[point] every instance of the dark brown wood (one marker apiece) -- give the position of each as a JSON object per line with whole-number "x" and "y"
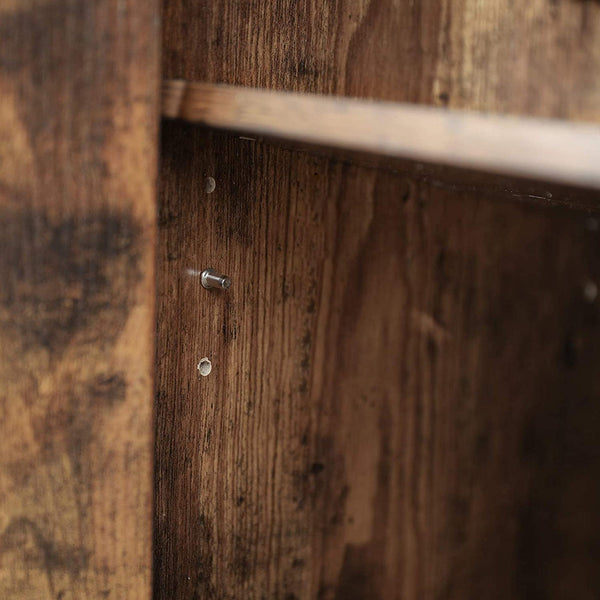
{"x": 403, "y": 401}
{"x": 78, "y": 125}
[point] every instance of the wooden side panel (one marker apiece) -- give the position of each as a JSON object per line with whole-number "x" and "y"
{"x": 540, "y": 57}
{"x": 403, "y": 400}
{"x": 78, "y": 124}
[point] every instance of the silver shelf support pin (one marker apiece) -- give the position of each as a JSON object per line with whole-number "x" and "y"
{"x": 210, "y": 279}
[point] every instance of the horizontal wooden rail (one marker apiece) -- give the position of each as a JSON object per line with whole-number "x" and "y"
{"x": 545, "y": 149}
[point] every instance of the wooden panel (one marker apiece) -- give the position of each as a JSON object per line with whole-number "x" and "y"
{"x": 78, "y": 124}
{"x": 545, "y": 149}
{"x": 540, "y": 57}
{"x": 403, "y": 401}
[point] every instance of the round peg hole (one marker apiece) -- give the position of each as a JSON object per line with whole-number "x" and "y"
{"x": 590, "y": 291}
{"x": 209, "y": 185}
{"x": 204, "y": 366}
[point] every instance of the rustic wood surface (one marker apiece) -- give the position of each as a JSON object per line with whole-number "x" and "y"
{"x": 535, "y": 58}
{"x": 547, "y": 149}
{"x": 403, "y": 400}
{"x": 78, "y": 125}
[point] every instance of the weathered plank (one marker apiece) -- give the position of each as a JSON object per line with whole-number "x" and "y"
{"x": 403, "y": 401}
{"x": 78, "y": 125}
{"x": 551, "y": 150}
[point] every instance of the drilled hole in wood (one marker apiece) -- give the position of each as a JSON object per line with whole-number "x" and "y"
{"x": 590, "y": 291}
{"x": 204, "y": 367}
{"x": 209, "y": 185}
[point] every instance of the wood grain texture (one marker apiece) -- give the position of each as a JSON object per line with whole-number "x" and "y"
{"x": 78, "y": 141}
{"x": 537, "y": 58}
{"x": 550, "y": 150}
{"x": 403, "y": 401}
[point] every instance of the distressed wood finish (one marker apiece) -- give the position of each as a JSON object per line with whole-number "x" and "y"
{"x": 550, "y": 150}
{"x": 536, "y": 58}
{"x": 78, "y": 124}
{"x": 403, "y": 401}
